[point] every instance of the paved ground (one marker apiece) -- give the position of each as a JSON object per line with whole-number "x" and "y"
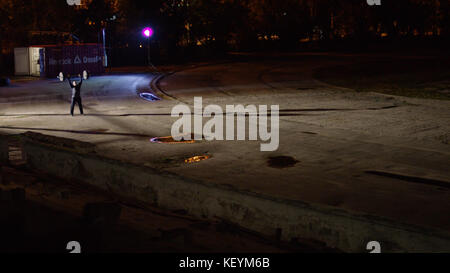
{"x": 368, "y": 152}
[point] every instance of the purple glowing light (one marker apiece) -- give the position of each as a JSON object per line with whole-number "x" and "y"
{"x": 147, "y": 32}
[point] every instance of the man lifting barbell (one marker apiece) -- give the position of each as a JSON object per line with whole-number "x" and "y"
{"x": 76, "y": 94}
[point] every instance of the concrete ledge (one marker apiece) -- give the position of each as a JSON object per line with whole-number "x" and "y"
{"x": 287, "y": 219}
{"x": 60, "y": 142}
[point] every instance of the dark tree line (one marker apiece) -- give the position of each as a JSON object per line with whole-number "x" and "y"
{"x": 243, "y": 22}
{"x": 219, "y": 24}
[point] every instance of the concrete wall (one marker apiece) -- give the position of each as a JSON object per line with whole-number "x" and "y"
{"x": 337, "y": 228}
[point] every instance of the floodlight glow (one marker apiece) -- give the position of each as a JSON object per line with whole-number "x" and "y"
{"x": 147, "y": 32}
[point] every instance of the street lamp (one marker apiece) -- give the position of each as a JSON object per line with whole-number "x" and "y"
{"x": 103, "y": 34}
{"x": 148, "y": 33}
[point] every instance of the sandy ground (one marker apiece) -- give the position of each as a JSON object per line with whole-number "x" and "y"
{"x": 348, "y": 145}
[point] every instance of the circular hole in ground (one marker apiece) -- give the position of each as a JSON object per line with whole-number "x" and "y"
{"x": 149, "y": 97}
{"x": 196, "y": 159}
{"x": 170, "y": 140}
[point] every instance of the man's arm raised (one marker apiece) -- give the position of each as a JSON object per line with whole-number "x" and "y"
{"x": 70, "y": 83}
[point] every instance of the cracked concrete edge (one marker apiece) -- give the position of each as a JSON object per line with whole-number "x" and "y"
{"x": 337, "y": 228}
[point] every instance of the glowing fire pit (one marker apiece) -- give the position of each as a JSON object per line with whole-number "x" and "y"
{"x": 196, "y": 159}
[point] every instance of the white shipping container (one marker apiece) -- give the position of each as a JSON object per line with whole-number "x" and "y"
{"x": 35, "y": 67}
{"x": 22, "y": 61}
{"x": 27, "y": 61}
